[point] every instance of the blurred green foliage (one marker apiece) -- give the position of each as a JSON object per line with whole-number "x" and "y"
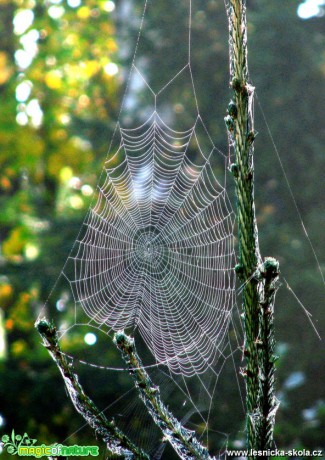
{"x": 63, "y": 67}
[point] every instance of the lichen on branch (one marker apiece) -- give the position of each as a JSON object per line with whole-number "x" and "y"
{"x": 116, "y": 441}
{"x": 181, "y": 439}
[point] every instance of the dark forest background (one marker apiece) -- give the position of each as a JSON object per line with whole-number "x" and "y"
{"x": 63, "y": 72}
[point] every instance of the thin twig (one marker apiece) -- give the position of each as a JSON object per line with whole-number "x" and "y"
{"x": 182, "y": 439}
{"x": 116, "y": 441}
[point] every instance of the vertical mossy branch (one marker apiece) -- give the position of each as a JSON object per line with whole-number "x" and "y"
{"x": 117, "y": 443}
{"x": 239, "y": 123}
{"x": 257, "y": 298}
{"x": 268, "y": 274}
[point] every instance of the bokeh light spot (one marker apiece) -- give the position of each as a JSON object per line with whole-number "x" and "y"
{"x": 90, "y": 338}
{"x": 109, "y": 6}
{"x": 111, "y": 69}
{"x": 22, "y": 21}
{"x": 23, "y": 91}
{"x": 310, "y": 8}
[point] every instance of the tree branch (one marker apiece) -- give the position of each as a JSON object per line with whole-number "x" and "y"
{"x": 116, "y": 441}
{"x": 257, "y": 277}
{"x": 182, "y": 440}
{"x": 269, "y": 274}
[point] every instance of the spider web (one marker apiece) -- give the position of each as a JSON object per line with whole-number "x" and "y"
{"x": 157, "y": 251}
{"x": 155, "y": 255}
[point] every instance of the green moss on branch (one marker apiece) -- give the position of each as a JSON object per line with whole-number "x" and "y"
{"x": 258, "y": 278}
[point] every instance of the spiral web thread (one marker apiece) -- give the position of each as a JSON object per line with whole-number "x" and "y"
{"x": 157, "y": 248}
{"x": 156, "y": 251}
{"x": 156, "y": 255}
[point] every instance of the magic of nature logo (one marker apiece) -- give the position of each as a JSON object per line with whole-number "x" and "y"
{"x": 24, "y": 446}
